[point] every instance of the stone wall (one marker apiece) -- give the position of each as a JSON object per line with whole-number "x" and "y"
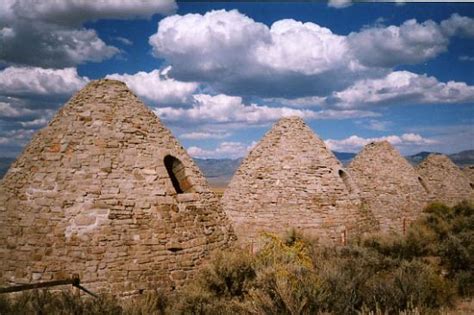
{"x": 389, "y": 185}
{"x": 444, "y": 181}
{"x": 469, "y": 172}
{"x": 291, "y": 180}
{"x": 91, "y": 195}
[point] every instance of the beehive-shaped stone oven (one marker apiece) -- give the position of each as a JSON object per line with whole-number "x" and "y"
{"x": 291, "y": 180}
{"x": 107, "y": 192}
{"x": 444, "y": 181}
{"x": 389, "y": 185}
{"x": 469, "y": 172}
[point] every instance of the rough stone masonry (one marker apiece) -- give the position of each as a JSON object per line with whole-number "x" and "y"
{"x": 107, "y": 192}
{"x": 389, "y": 186}
{"x": 444, "y": 181}
{"x": 291, "y": 180}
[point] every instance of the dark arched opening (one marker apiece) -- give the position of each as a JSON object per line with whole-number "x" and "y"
{"x": 177, "y": 174}
{"x": 472, "y": 185}
{"x": 345, "y": 178}
{"x": 422, "y": 182}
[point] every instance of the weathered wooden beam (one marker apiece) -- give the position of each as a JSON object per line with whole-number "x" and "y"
{"x": 39, "y": 285}
{"x": 85, "y": 290}
{"x": 74, "y": 281}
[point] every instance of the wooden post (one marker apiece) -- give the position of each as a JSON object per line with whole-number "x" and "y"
{"x": 74, "y": 281}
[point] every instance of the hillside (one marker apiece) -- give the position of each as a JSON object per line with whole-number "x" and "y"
{"x": 218, "y": 171}
{"x": 463, "y": 158}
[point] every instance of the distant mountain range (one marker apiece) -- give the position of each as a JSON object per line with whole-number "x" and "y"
{"x": 219, "y": 171}
{"x": 461, "y": 159}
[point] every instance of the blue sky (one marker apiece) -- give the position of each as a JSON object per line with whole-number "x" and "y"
{"x": 220, "y": 74}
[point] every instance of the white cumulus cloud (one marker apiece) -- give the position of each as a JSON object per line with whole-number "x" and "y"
{"x": 458, "y": 25}
{"x": 409, "y": 43}
{"x": 402, "y": 87}
{"x": 231, "y": 111}
{"x": 39, "y": 81}
{"x": 225, "y": 109}
{"x": 157, "y": 87}
{"x": 239, "y": 56}
{"x": 74, "y": 12}
{"x": 54, "y": 28}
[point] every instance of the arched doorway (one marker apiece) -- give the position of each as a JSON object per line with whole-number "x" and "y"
{"x": 176, "y": 172}
{"x": 422, "y": 182}
{"x": 345, "y": 178}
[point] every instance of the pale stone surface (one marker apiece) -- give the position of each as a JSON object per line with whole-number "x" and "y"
{"x": 444, "y": 181}
{"x": 389, "y": 185}
{"x": 469, "y": 172}
{"x": 90, "y": 194}
{"x": 291, "y": 180}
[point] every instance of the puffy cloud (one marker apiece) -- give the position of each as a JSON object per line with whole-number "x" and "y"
{"x": 25, "y": 81}
{"x": 54, "y": 29}
{"x": 75, "y": 12}
{"x": 223, "y": 150}
{"x": 458, "y": 25}
{"x": 224, "y": 109}
{"x": 157, "y": 87}
{"x": 409, "y": 43}
{"x": 55, "y": 47}
{"x": 29, "y": 96}
{"x": 313, "y": 49}
{"x": 354, "y": 143}
{"x": 240, "y": 56}
{"x": 339, "y": 4}
{"x": 18, "y": 136}
{"x": 7, "y": 110}
{"x": 401, "y": 87}
{"x": 449, "y": 138}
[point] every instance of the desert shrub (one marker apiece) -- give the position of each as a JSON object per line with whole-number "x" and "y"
{"x": 151, "y": 303}
{"x": 410, "y": 283}
{"x": 286, "y": 280}
{"x": 443, "y": 236}
{"x": 220, "y": 287}
{"x": 454, "y": 243}
{"x": 45, "y": 302}
{"x": 344, "y": 272}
